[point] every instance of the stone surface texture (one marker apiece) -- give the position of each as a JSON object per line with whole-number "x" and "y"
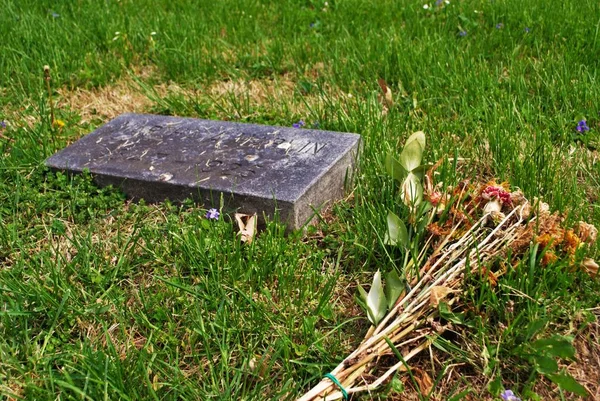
{"x": 253, "y": 168}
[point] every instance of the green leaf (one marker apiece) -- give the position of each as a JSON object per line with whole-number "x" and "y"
{"x": 544, "y": 364}
{"x": 376, "y": 302}
{"x": 397, "y": 233}
{"x": 557, "y": 346}
{"x": 534, "y": 327}
{"x": 412, "y": 190}
{"x": 394, "y": 168}
{"x": 456, "y": 318}
{"x": 393, "y": 288}
{"x": 495, "y": 386}
{"x": 566, "y": 382}
{"x": 411, "y": 155}
{"x": 419, "y": 171}
{"x": 363, "y": 294}
{"x": 418, "y": 136}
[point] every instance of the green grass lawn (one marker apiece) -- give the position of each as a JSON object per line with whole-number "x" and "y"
{"x": 105, "y": 299}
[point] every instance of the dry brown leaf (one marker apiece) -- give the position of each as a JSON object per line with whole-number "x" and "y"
{"x": 388, "y": 99}
{"x": 438, "y": 293}
{"x": 587, "y": 232}
{"x": 423, "y": 380}
{"x": 247, "y": 226}
{"x": 590, "y": 266}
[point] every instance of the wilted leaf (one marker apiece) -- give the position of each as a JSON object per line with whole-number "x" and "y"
{"x": 247, "y": 226}
{"x": 411, "y": 155}
{"x": 423, "y": 380}
{"x": 590, "y": 266}
{"x": 567, "y": 382}
{"x": 394, "y": 168}
{"x": 412, "y": 190}
{"x": 393, "y": 287}
{"x": 438, "y": 293}
{"x": 397, "y": 233}
{"x": 376, "y": 302}
{"x": 388, "y": 99}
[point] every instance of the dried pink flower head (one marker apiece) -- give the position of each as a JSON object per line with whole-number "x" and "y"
{"x": 496, "y": 192}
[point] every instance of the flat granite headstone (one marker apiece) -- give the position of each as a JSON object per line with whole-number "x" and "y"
{"x": 256, "y": 168}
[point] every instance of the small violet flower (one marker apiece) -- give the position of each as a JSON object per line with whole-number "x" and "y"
{"x": 462, "y": 33}
{"x": 212, "y": 214}
{"x": 582, "y": 126}
{"x": 54, "y": 14}
{"x": 438, "y": 2}
{"x": 299, "y": 124}
{"x": 2, "y": 124}
{"x": 499, "y": 25}
{"x": 508, "y": 395}
{"x": 527, "y": 29}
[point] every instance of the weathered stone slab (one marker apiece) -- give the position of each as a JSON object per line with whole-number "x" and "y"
{"x": 255, "y": 168}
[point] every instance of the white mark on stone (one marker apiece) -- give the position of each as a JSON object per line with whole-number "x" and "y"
{"x": 284, "y": 146}
{"x": 165, "y": 177}
{"x": 251, "y": 158}
{"x": 151, "y": 168}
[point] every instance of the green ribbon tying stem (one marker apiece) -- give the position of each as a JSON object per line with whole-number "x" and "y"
{"x": 337, "y": 383}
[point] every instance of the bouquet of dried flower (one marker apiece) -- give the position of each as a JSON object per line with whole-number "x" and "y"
{"x": 467, "y": 229}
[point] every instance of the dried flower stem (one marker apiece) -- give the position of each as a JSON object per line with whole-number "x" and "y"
{"x": 49, "y": 89}
{"x": 444, "y": 267}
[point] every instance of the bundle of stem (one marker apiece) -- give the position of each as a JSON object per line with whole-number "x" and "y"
{"x": 406, "y": 324}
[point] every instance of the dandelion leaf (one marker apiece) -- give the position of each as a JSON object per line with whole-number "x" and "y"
{"x": 567, "y": 382}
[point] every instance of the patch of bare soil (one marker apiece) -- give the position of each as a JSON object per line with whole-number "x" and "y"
{"x": 105, "y": 103}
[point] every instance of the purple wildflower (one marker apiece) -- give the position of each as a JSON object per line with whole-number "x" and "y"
{"x": 527, "y": 29}
{"x": 499, "y": 25}
{"x": 212, "y": 214}
{"x": 299, "y": 124}
{"x": 508, "y": 395}
{"x": 439, "y": 2}
{"x": 2, "y": 124}
{"x": 462, "y": 33}
{"x": 582, "y": 126}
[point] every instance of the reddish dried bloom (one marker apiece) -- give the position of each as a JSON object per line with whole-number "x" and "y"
{"x": 549, "y": 257}
{"x": 571, "y": 242}
{"x": 435, "y": 230}
{"x": 496, "y": 192}
{"x": 548, "y": 240}
{"x": 435, "y": 197}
